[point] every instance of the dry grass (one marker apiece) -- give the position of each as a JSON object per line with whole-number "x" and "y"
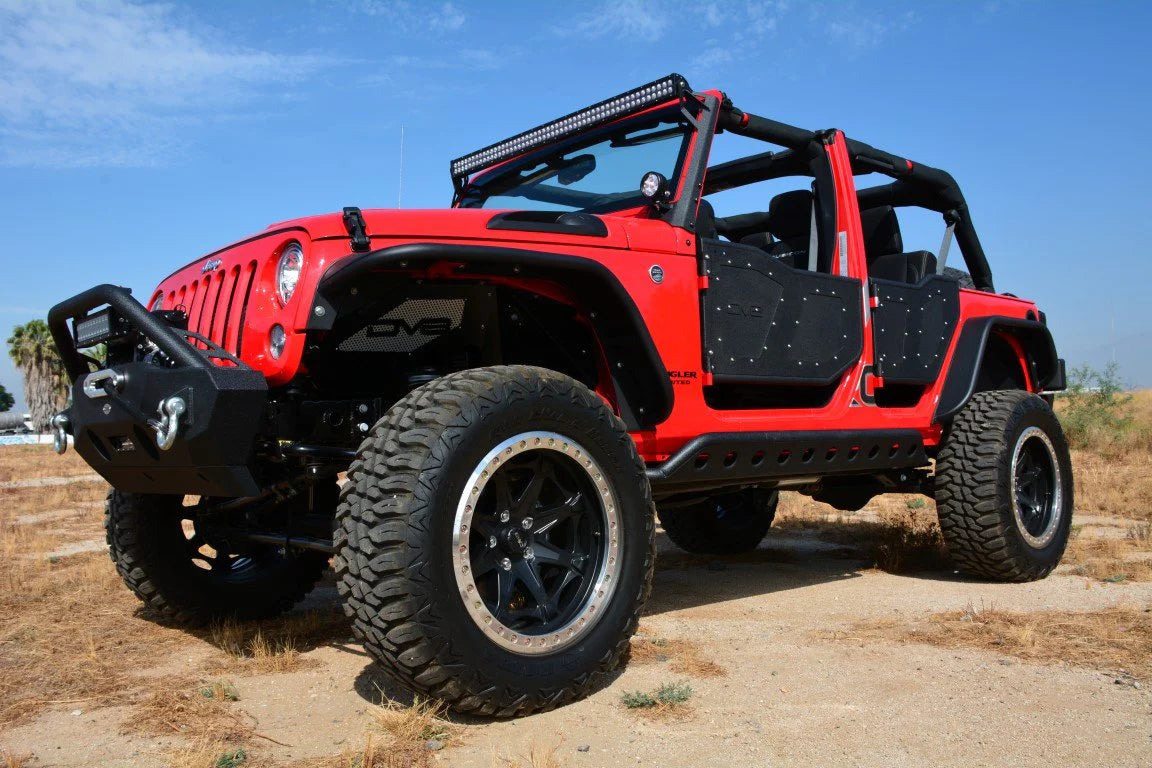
{"x": 20, "y": 462}
{"x": 192, "y": 709}
{"x": 12, "y": 760}
{"x": 397, "y": 738}
{"x": 69, "y": 634}
{"x": 683, "y": 656}
{"x": 207, "y": 753}
{"x": 902, "y": 537}
{"x": 1117, "y": 639}
{"x": 1113, "y": 559}
{"x": 1120, "y": 486}
{"x": 275, "y": 645}
{"x": 537, "y": 756}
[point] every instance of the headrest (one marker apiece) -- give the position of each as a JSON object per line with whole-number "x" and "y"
{"x": 737, "y": 227}
{"x": 705, "y": 220}
{"x": 881, "y": 231}
{"x": 790, "y": 214}
{"x": 762, "y": 240}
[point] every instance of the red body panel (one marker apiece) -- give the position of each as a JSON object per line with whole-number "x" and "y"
{"x": 236, "y": 305}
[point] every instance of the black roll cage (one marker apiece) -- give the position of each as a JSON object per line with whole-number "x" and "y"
{"x": 914, "y": 184}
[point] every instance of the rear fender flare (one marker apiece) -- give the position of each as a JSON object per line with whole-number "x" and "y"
{"x": 643, "y": 391}
{"x": 1043, "y": 370}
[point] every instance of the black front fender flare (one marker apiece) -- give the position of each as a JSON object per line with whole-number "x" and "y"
{"x": 643, "y": 389}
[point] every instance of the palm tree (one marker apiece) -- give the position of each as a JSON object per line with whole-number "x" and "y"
{"x": 45, "y": 384}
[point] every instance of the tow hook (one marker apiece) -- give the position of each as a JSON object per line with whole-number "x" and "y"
{"x": 60, "y": 425}
{"x": 171, "y": 409}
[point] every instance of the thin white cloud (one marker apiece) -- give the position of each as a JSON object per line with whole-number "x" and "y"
{"x": 413, "y": 16}
{"x": 103, "y": 82}
{"x": 630, "y": 19}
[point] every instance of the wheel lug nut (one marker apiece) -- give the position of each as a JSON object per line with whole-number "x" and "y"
{"x": 491, "y": 542}
{"x": 526, "y": 523}
{"x": 505, "y": 516}
{"x": 506, "y": 564}
{"x": 529, "y": 554}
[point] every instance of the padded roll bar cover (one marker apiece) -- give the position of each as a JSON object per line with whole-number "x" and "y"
{"x": 1046, "y": 369}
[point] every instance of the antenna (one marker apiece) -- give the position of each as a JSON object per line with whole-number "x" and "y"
{"x": 400, "y": 182}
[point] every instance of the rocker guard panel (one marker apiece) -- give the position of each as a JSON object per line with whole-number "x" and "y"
{"x": 735, "y": 458}
{"x": 642, "y": 382}
{"x": 964, "y": 370}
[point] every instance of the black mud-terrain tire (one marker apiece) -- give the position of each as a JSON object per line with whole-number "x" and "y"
{"x": 724, "y": 523}
{"x": 396, "y": 523}
{"x": 151, "y": 551}
{"x": 977, "y": 494}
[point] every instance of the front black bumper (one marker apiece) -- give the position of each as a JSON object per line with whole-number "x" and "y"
{"x": 115, "y": 423}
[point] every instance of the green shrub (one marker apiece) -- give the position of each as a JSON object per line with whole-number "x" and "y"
{"x": 1096, "y": 414}
{"x": 233, "y": 759}
{"x": 669, "y": 693}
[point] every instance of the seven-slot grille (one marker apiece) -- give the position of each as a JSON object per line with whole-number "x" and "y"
{"x": 216, "y": 303}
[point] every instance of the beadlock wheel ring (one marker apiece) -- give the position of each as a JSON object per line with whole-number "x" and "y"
{"x": 601, "y": 578}
{"x": 1037, "y": 488}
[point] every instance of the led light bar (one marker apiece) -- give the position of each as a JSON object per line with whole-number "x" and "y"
{"x": 635, "y": 100}
{"x": 96, "y": 328}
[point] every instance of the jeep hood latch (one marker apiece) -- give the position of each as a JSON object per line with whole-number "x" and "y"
{"x": 357, "y": 229}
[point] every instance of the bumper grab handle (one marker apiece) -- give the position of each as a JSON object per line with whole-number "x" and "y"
{"x": 171, "y": 409}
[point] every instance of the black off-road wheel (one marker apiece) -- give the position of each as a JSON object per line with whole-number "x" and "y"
{"x": 1004, "y": 487}
{"x": 496, "y": 540}
{"x": 723, "y": 524}
{"x": 168, "y": 555}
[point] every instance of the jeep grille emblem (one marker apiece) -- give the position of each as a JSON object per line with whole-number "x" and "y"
{"x": 210, "y": 265}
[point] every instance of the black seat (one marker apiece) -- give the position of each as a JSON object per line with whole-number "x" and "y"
{"x": 706, "y": 220}
{"x": 746, "y": 228}
{"x": 884, "y": 246}
{"x": 790, "y": 220}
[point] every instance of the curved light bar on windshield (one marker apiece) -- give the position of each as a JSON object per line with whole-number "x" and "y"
{"x": 633, "y": 101}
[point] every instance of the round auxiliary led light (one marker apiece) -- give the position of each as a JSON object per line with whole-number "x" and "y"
{"x": 276, "y": 341}
{"x": 653, "y": 185}
{"x": 288, "y": 271}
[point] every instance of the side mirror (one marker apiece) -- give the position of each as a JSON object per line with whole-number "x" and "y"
{"x": 654, "y": 187}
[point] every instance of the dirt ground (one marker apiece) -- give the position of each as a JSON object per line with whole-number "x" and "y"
{"x": 803, "y": 653}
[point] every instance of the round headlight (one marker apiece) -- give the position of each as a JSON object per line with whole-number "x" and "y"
{"x": 288, "y": 270}
{"x": 276, "y": 340}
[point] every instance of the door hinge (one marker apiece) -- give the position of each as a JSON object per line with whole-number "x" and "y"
{"x": 357, "y": 229}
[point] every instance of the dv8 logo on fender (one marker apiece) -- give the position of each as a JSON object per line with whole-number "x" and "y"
{"x": 407, "y": 327}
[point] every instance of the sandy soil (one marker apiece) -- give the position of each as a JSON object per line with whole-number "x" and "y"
{"x": 800, "y": 689}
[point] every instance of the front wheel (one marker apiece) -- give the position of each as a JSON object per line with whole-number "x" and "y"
{"x": 1004, "y": 487}
{"x": 176, "y": 559}
{"x": 497, "y": 540}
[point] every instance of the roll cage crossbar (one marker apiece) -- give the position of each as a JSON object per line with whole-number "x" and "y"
{"x": 914, "y": 184}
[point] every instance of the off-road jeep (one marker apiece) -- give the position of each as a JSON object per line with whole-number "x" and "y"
{"x": 519, "y": 385}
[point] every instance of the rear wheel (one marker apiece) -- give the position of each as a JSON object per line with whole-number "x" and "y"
{"x": 177, "y": 560}
{"x": 722, "y": 524}
{"x": 1004, "y": 487}
{"x": 497, "y": 540}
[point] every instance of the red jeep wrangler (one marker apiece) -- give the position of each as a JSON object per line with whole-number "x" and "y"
{"x": 518, "y": 386}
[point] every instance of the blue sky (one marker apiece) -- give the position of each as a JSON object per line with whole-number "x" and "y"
{"x": 135, "y": 137}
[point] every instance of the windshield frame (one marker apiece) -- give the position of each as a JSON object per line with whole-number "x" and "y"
{"x": 667, "y": 113}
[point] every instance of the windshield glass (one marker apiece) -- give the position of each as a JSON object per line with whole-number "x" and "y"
{"x": 596, "y": 172}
